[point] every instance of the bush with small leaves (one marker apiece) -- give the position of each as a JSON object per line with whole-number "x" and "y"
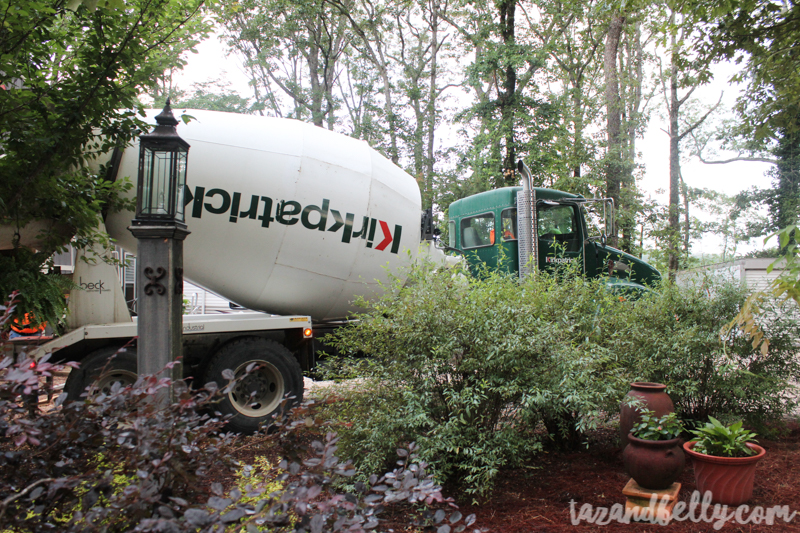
{"x": 473, "y": 367}
{"x": 118, "y": 461}
{"x": 470, "y": 368}
{"x": 675, "y": 335}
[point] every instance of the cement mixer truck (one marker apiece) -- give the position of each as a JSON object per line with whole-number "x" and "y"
{"x": 295, "y": 221}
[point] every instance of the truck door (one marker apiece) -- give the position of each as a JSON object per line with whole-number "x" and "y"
{"x": 478, "y": 239}
{"x": 560, "y": 237}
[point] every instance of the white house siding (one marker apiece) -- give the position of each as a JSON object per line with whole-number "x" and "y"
{"x": 203, "y": 302}
{"x": 752, "y": 272}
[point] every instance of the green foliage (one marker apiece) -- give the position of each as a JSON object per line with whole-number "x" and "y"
{"x": 468, "y": 368}
{"x": 650, "y": 427}
{"x": 483, "y": 371}
{"x": 213, "y": 95}
{"x": 71, "y": 72}
{"x": 291, "y": 51}
{"x": 40, "y": 294}
{"x": 758, "y": 34}
{"x": 780, "y": 292}
{"x": 255, "y": 480}
{"x": 674, "y": 333}
{"x": 787, "y": 285}
{"x": 723, "y": 441}
{"x": 257, "y": 473}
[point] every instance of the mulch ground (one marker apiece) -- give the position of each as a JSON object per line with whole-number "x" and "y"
{"x": 539, "y": 497}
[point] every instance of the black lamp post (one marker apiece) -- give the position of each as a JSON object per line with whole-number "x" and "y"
{"x": 160, "y": 230}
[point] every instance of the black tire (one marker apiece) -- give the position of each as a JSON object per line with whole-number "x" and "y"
{"x": 103, "y": 368}
{"x": 256, "y": 396}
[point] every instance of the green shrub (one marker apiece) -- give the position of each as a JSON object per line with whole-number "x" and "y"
{"x": 472, "y": 368}
{"x": 651, "y": 427}
{"x": 469, "y": 368}
{"x": 674, "y": 333}
{"x": 719, "y": 440}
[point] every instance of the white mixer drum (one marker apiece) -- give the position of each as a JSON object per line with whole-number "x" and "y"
{"x": 286, "y": 217}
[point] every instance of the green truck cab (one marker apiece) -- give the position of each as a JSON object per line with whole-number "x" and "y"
{"x": 489, "y": 228}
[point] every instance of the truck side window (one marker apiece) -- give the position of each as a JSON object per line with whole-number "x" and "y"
{"x": 556, "y": 220}
{"x": 451, "y": 234}
{"x": 509, "y": 220}
{"x": 558, "y": 223}
{"x": 477, "y": 231}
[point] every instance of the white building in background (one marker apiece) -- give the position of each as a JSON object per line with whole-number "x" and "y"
{"x": 752, "y": 272}
{"x": 199, "y": 300}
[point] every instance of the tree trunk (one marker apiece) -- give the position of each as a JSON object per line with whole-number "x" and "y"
{"x": 686, "y": 221}
{"x": 317, "y": 117}
{"x": 507, "y": 98}
{"x": 635, "y": 76}
{"x": 674, "y": 166}
{"x": 431, "y": 112}
{"x": 577, "y": 114}
{"x": 613, "y": 117}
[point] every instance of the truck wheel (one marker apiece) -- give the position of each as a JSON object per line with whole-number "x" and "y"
{"x": 96, "y": 368}
{"x": 257, "y": 395}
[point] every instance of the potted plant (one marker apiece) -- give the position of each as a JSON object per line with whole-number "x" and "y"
{"x": 653, "y": 456}
{"x": 724, "y": 459}
{"x": 642, "y": 396}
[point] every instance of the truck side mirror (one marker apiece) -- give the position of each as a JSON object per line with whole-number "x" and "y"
{"x": 427, "y": 232}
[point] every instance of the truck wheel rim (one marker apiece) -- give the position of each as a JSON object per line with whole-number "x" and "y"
{"x": 106, "y": 381}
{"x": 258, "y": 393}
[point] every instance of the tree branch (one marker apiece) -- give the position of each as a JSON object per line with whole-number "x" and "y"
{"x": 5, "y": 503}
{"x": 738, "y": 158}
{"x": 702, "y": 119}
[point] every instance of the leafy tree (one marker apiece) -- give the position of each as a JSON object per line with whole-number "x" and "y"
{"x": 574, "y": 52}
{"x": 685, "y": 73}
{"x": 400, "y": 44}
{"x": 509, "y": 118}
{"x": 762, "y": 36}
{"x": 213, "y": 95}
{"x": 424, "y": 82}
{"x": 374, "y": 25}
{"x": 614, "y": 148}
{"x": 70, "y": 72}
{"x": 625, "y": 102}
{"x": 291, "y": 50}
{"x": 784, "y": 200}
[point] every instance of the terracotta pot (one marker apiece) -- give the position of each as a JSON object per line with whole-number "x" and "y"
{"x": 730, "y": 479}
{"x": 655, "y": 399}
{"x": 653, "y": 464}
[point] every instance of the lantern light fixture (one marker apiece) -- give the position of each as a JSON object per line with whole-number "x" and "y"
{"x": 162, "y": 173}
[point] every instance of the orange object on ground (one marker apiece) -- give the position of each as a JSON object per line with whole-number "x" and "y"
{"x": 28, "y": 325}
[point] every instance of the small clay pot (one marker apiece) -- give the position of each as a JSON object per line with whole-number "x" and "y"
{"x": 655, "y": 399}
{"x": 729, "y": 479}
{"x": 653, "y": 464}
